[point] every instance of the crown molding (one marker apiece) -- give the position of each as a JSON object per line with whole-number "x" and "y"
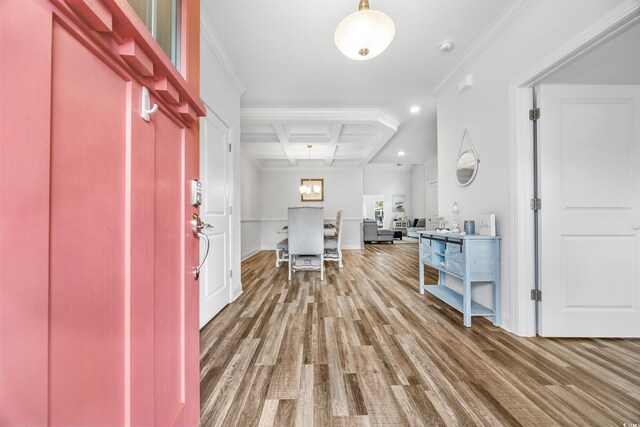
{"x": 210, "y": 35}
{"x": 512, "y": 10}
{"x": 344, "y": 115}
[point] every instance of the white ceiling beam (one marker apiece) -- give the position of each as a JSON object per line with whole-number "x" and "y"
{"x": 309, "y": 139}
{"x": 284, "y": 142}
{"x": 334, "y": 134}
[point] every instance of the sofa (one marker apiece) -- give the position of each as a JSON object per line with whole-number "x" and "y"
{"x": 371, "y": 232}
{"x": 418, "y": 224}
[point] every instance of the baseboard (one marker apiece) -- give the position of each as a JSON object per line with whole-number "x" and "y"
{"x": 249, "y": 254}
{"x": 236, "y": 294}
{"x": 351, "y": 247}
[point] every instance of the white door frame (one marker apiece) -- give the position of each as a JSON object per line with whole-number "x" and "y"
{"x": 217, "y": 113}
{"x": 521, "y": 267}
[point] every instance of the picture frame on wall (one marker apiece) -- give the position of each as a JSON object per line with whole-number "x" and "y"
{"x": 398, "y": 203}
{"x": 314, "y": 184}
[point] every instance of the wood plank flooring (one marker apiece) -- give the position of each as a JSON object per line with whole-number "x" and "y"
{"x": 364, "y": 348}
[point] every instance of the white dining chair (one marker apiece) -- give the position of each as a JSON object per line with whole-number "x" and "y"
{"x": 306, "y": 239}
{"x": 282, "y": 252}
{"x": 332, "y": 251}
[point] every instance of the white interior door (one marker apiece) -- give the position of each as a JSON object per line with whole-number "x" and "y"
{"x": 589, "y": 166}
{"x": 215, "y": 177}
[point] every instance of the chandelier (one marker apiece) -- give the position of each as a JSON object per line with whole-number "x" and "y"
{"x": 307, "y": 188}
{"x": 364, "y": 34}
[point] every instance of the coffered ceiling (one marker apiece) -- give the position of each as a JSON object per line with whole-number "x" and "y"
{"x": 339, "y": 137}
{"x": 284, "y": 54}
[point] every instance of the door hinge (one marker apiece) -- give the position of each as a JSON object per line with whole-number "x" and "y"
{"x": 229, "y": 147}
{"x": 231, "y": 274}
{"x": 536, "y": 295}
{"x": 230, "y": 210}
{"x": 536, "y": 204}
{"x": 534, "y": 114}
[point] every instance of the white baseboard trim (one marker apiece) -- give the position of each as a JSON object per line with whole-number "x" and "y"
{"x": 236, "y": 294}
{"x": 249, "y": 254}
{"x": 352, "y": 247}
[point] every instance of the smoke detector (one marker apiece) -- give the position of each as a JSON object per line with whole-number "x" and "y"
{"x": 446, "y": 46}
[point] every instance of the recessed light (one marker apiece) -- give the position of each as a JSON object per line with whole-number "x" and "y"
{"x": 414, "y": 109}
{"x": 400, "y": 153}
{"x": 446, "y": 46}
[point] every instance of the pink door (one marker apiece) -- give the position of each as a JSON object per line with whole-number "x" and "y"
{"x": 98, "y": 303}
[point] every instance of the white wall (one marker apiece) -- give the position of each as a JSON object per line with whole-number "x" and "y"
{"x": 418, "y": 192}
{"x": 621, "y": 56}
{"x": 430, "y": 176}
{"x": 342, "y": 190}
{"x": 250, "y": 221}
{"x": 388, "y": 180}
{"x": 540, "y": 28}
{"x": 219, "y": 93}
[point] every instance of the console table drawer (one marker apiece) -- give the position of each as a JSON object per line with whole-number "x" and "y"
{"x": 453, "y": 258}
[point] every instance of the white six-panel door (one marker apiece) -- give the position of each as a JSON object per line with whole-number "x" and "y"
{"x": 215, "y": 178}
{"x": 589, "y": 165}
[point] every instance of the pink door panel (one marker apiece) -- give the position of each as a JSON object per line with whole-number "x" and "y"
{"x": 169, "y": 284}
{"x": 86, "y": 278}
{"x": 98, "y": 305}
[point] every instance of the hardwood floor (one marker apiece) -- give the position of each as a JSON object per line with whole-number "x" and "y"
{"x": 364, "y": 348}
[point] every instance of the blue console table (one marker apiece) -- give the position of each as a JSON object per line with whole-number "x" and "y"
{"x": 472, "y": 258}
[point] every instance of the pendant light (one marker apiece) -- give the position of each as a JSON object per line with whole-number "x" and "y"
{"x": 365, "y": 34}
{"x": 309, "y": 189}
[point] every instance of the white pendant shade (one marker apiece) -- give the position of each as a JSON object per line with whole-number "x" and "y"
{"x": 365, "y": 34}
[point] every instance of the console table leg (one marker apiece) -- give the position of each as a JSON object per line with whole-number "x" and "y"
{"x": 466, "y": 302}
{"x": 497, "y": 309}
{"x": 496, "y": 302}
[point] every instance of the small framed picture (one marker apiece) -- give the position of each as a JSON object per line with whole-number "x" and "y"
{"x": 398, "y": 201}
{"x": 487, "y": 225}
{"x": 314, "y": 190}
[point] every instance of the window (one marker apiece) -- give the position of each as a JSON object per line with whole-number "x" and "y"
{"x": 162, "y": 18}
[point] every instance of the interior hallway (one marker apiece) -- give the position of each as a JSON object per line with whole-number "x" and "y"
{"x": 364, "y": 348}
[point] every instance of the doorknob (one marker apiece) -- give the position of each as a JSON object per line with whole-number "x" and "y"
{"x": 196, "y": 228}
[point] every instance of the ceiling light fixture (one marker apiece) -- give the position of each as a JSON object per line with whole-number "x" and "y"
{"x": 309, "y": 189}
{"x": 414, "y": 109}
{"x": 365, "y": 34}
{"x": 400, "y": 153}
{"x": 446, "y": 46}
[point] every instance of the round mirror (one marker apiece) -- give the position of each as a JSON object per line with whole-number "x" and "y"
{"x": 466, "y": 168}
